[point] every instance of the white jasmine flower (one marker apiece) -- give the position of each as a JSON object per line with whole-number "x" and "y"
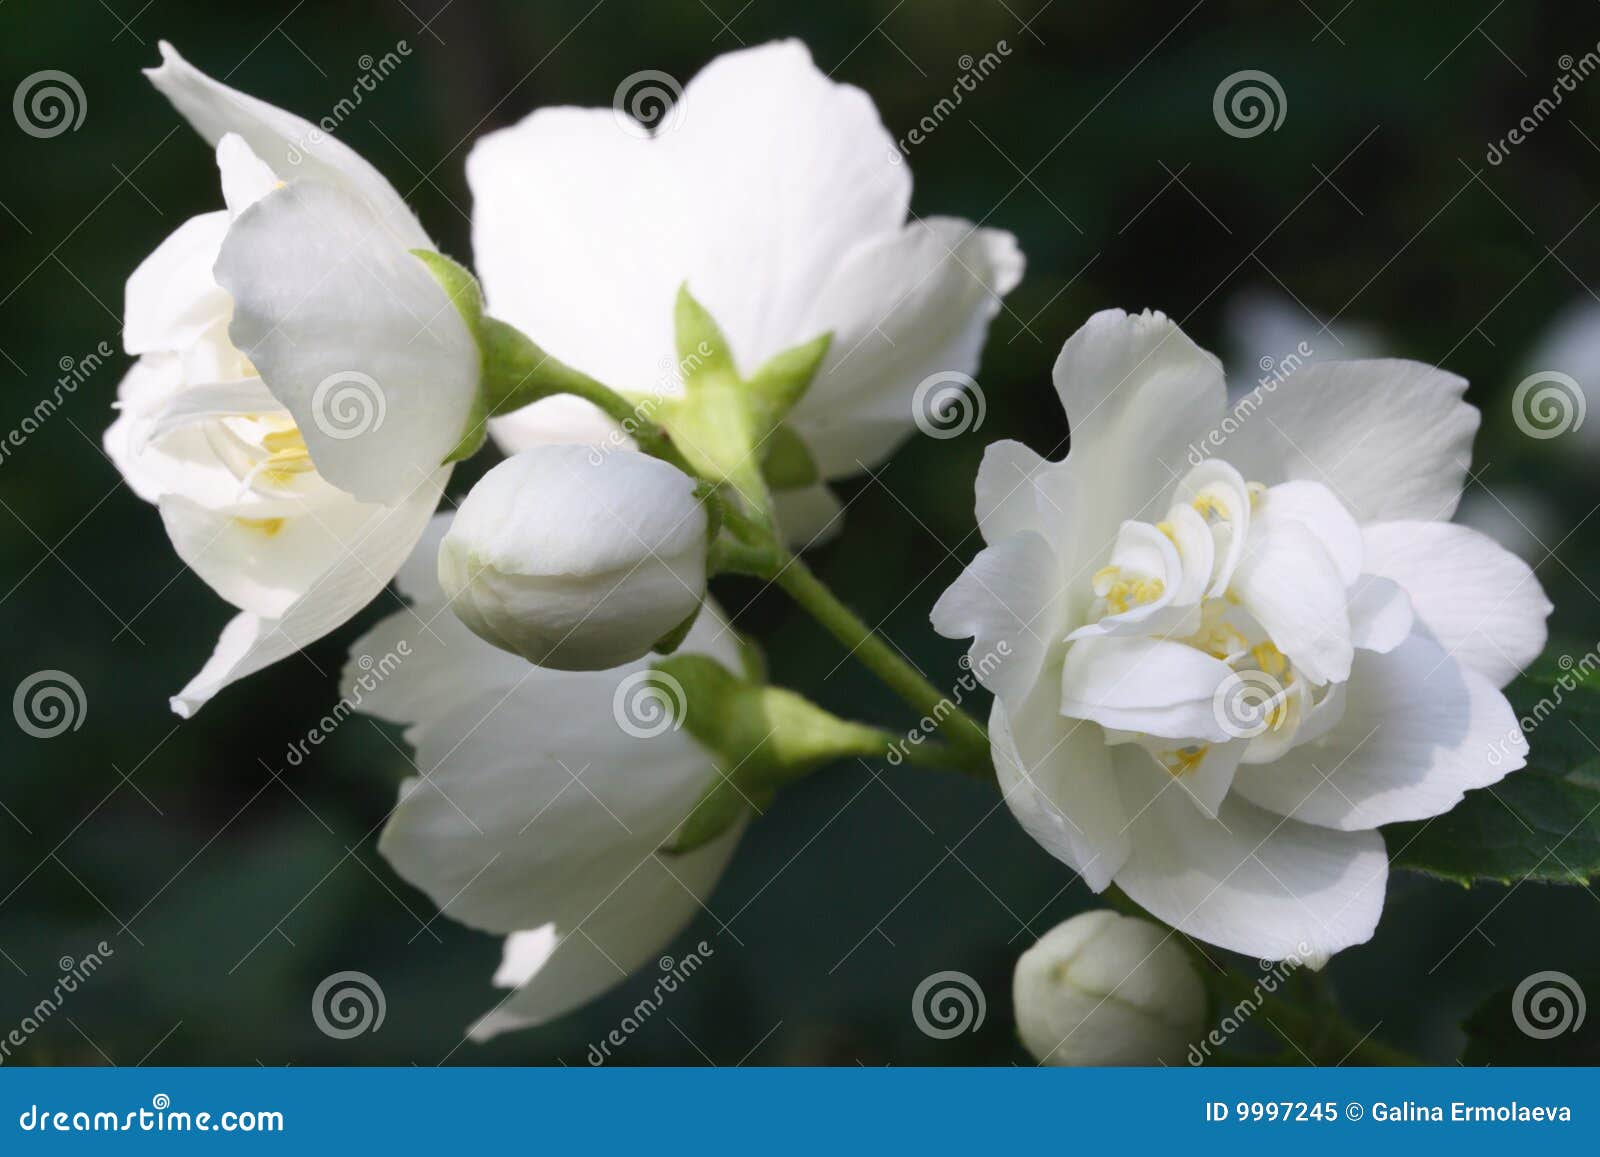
{"x": 576, "y": 561}
{"x": 295, "y": 497}
{"x": 1223, "y": 678}
{"x": 780, "y": 199}
{"x": 1107, "y": 989}
{"x": 542, "y": 799}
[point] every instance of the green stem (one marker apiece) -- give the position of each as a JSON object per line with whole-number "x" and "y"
{"x": 866, "y": 645}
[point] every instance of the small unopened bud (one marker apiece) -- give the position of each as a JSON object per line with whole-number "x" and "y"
{"x": 575, "y": 561}
{"x": 1104, "y": 989}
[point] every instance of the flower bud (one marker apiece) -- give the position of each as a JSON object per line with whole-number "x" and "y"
{"x": 575, "y": 560}
{"x": 1104, "y": 989}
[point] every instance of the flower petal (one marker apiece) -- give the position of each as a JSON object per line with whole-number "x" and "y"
{"x": 903, "y": 309}
{"x": 1290, "y": 583}
{"x": 1146, "y": 685}
{"x": 1418, "y": 731}
{"x": 292, "y": 147}
{"x": 1008, "y": 602}
{"x": 353, "y": 335}
{"x": 1480, "y": 601}
{"x": 1248, "y": 881}
{"x": 1391, "y": 439}
{"x": 1136, "y": 391}
{"x": 1380, "y": 614}
{"x": 250, "y": 642}
{"x": 555, "y": 970}
{"x": 172, "y": 299}
{"x": 757, "y": 184}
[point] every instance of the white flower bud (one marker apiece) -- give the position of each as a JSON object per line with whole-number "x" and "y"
{"x": 1104, "y": 989}
{"x": 575, "y": 560}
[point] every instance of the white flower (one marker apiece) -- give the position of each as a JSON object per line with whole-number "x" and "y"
{"x": 286, "y": 509}
{"x": 780, "y": 199}
{"x": 1223, "y": 678}
{"x": 1106, "y": 989}
{"x": 542, "y": 798}
{"x": 576, "y": 560}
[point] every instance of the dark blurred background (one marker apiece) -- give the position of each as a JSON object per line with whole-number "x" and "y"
{"x": 229, "y": 883}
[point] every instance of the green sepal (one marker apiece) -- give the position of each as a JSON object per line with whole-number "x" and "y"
{"x": 787, "y": 463}
{"x": 703, "y": 351}
{"x": 759, "y": 737}
{"x": 785, "y": 378}
{"x": 467, "y": 296}
{"x": 674, "y": 638}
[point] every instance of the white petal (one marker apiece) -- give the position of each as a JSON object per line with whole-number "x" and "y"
{"x": 561, "y": 420}
{"x": 353, "y": 335}
{"x": 171, "y": 298}
{"x": 1009, "y": 602}
{"x": 1056, "y": 777}
{"x": 556, "y": 970}
{"x": 263, "y": 565}
{"x": 1418, "y": 731}
{"x": 1136, "y": 391}
{"x": 537, "y": 804}
{"x": 1288, "y": 581}
{"x": 1146, "y": 685}
{"x": 1248, "y": 881}
{"x": 758, "y": 183}
{"x": 903, "y": 309}
{"x": 1380, "y": 614}
{"x": 246, "y": 178}
{"x": 1018, "y": 490}
{"x": 249, "y": 642}
{"x": 1314, "y": 506}
{"x": 1391, "y": 439}
{"x": 292, "y": 147}
{"x": 1478, "y": 599}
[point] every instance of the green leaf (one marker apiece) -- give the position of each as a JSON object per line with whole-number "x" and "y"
{"x": 1542, "y": 822}
{"x": 1536, "y": 1022}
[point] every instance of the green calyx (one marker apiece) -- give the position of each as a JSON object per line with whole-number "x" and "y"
{"x": 730, "y": 428}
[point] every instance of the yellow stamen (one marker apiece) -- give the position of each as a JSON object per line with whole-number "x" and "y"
{"x": 1184, "y": 759}
{"x": 267, "y": 526}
